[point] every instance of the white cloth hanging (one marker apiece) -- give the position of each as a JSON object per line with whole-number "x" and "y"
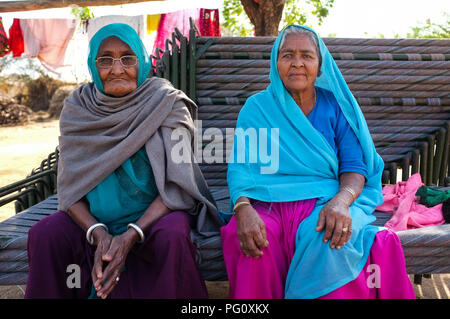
{"x": 136, "y": 22}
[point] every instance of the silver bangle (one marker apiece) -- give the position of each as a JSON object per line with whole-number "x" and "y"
{"x": 138, "y": 230}
{"x": 91, "y": 229}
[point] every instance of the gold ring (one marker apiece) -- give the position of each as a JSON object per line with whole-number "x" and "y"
{"x": 345, "y": 229}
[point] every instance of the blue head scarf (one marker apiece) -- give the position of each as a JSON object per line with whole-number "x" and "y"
{"x": 128, "y": 35}
{"x": 308, "y": 167}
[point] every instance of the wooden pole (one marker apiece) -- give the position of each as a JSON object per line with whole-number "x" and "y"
{"x": 13, "y": 6}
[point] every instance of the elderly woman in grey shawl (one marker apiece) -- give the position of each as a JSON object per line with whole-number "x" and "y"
{"x": 126, "y": 209}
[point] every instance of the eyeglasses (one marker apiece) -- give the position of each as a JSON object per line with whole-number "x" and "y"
{"x": 106, "y": 62}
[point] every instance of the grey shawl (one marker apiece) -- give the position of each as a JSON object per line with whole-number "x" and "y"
{"x": 100, "y": 132}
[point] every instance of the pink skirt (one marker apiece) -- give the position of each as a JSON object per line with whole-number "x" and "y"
{"x": 383, "y": 276}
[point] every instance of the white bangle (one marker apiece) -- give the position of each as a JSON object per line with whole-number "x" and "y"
{"x": 138, "y": 230}
{"x": 91, "y": 229}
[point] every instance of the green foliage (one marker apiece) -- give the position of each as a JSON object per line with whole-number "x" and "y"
{"x": 236, "y": 22}
{"x": 321, "y": 8}
{"x": 431, "y": 30}
{"x": 295, "y": 13}
{"x": 83, "y": 13}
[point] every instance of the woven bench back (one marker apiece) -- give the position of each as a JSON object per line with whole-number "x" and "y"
{"x": 402, "y": 86}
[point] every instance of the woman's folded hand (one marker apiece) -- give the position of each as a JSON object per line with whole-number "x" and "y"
{"x": 102, "y": 240}
{"x": 336, "y": 220}
{"x": 251, "y": 231}
{"x": 114, "y": 255}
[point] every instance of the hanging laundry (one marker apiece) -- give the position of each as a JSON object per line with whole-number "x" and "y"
{"x": 76, "y": 57}
{"x": 153, "y": 22}
{"x": 136, "y": 22}
{"x": 209, "y": 25}
{"x": 47, "y": 39}
{"x": 400, "y": 200}
{"x": 16, "y": 44}
{"x": 170, "y": 21}
{"x": 4, "y": 45}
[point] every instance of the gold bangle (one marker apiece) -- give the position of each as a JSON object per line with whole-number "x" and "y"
{"x": 351, "y": 191}
{"x": 238, "y": 205}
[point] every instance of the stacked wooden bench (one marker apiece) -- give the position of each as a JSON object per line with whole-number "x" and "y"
{"x": 401, "y": 85}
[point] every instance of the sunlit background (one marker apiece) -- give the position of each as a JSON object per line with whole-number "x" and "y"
{"x": 347, "y": 18}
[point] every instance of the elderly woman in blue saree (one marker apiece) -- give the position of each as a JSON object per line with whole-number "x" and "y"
{"x": 127, "y": 209}
{"x": 304, "y": 230}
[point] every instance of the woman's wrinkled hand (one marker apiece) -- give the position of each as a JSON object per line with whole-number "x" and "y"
{"x": 112, "y": 251}
{"x": 336, "y": 220}
{"x": 251, "y": 232}
{"x": 103, "y": 240}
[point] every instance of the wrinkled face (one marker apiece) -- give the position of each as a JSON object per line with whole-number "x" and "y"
{"x": 298, "y": 63}
{"x": 117, "y": 80}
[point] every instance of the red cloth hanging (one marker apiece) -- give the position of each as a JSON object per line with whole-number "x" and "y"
{"x": 170, "y": 21}
{"x": 4, "y": 45}
{"x": 209, "y": 23}
{"x": 16, "y": 43}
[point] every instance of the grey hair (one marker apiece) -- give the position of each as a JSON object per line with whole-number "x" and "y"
{"x": 311, "y": 35}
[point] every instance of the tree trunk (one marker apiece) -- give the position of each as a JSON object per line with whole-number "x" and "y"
{"x": 265, "y": 15}
{"x": 12, "y": 6}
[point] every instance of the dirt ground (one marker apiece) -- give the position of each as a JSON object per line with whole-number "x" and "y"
{"x": 436, "y": 287}
{"x": 22, "y": 148}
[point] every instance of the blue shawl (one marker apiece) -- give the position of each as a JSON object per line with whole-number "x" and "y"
{"x": 308, "y": 168}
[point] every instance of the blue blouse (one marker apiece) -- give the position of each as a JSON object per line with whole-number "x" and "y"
{"x": 328, "y": 119}
{"x": 124, "y": 195}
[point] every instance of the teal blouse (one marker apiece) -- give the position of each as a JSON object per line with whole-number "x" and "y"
{"x": 123, "y": 196}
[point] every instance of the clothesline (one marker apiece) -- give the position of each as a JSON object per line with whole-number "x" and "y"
{"x": 57, "y": 43}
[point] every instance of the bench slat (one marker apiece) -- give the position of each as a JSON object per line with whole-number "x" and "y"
{"x": 31, "y": 216}
{"x": 13, "y": 255}
{"x": 13, "y": 278}
{"x": 5, "y": 228}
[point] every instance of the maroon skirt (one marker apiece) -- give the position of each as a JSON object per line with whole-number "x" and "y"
{"x": 163, "y": 266}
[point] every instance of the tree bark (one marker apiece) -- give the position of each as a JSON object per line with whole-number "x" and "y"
{"x": 265, "y": 15}
{"x": 12, "y": 6}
